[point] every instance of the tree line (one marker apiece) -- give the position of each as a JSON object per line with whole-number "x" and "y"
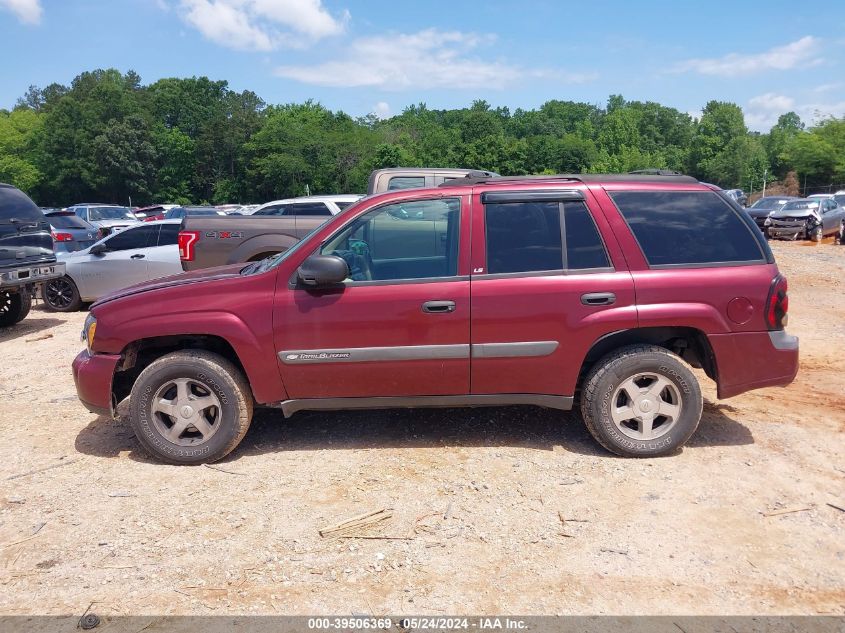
{"x": 109, "y": 138}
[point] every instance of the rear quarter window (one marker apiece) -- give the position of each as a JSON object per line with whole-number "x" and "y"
{"x": 677, "y": 228}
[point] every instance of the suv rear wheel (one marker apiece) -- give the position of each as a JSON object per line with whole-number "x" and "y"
{"x": 14, "y": 306}
{"x": 641, "y": 401}
{"x": 190, "y": 407}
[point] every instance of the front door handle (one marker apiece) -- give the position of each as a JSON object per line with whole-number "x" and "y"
{"x": 438, "y": 307}
{"x": 598, "y": 299}
{"x": 137, "y": 256}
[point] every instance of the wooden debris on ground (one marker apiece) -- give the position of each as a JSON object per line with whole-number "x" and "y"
{"x": 360, "y": 521}
{"x": 775, "y": 513}
{"x": 38, "y": 338}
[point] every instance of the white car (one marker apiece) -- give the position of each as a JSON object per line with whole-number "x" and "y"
{"x": 108, "y": 218}
{"x": 138, "y": 253}
{"x": 309, "y": 205}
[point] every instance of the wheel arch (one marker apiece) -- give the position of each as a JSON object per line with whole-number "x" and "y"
{"x": 691, "y": 344}
{"x": 141, "y": 352}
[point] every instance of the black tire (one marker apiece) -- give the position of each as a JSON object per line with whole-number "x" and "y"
{"x": 607, "y": 380}
{"x": 840, "y": 235}
{"x": 816, "y": 234}
{"x": 207, "y": 375}
{"x": 14, "y": 306}
{"x": 61, "y": 295}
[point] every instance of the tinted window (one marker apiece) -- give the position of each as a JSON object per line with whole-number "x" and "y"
{"x": 343, "y": 205}
{"x": 16, "y": 204}
{"x": 405, "y": 182}
{"x": 132, "y": 238}
{"x": 407, "y": 240}
{"x": 584, "y": 248}
{"x": 169, "y": 234}
{"x": 68, "y": 221}
{"x": 307, "y": 208}
{"x": 276, "y": 209}
{"x": 840, "y": 200}
{"x": 686, "y": 227}
{"x": 523, "y": 237}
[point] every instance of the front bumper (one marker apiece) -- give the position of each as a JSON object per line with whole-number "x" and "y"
{"x": 23, "y": 275}
{"x": 93, "y": 374}
{"x": 753, "y": 360}
{"x": 790, "y": 228}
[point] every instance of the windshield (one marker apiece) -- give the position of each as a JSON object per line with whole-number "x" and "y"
{"x": 768, "y": 203}
{"x": 798, "y": 205}
{"x": 110, "y": 213}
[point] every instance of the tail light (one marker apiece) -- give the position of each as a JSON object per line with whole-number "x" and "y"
{"x": 187, "y": 239}
{"x": 777, "y": 305}
{"x": 61, "y": 237}
{"x": 100, "y": 234}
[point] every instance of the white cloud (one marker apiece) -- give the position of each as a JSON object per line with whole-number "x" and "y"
{"x": 763, "y": 110}
{"x": 28, "y": 11}
{"x": 262, "y": 25}
{"x": 423, "y": 60}
{"x": 382, "y": 110}
{"x": 800, "y": 53}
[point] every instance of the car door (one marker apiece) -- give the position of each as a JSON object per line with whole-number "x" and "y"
{"x": 830, "y": 217}
{"x": 163, "y": 258}
{"x": 122, "y": 264}
{"x": 400, "y": 324}
{"x": 545, "y": 287}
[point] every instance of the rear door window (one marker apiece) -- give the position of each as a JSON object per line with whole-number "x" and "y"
{"x": 682, "y": 228}
{"x": 168, "y": 235}
{"x": 308, "y": 208}
{"x": 130, "y": 239}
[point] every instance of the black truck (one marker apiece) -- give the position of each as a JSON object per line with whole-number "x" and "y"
{"x": 26, "y": 254}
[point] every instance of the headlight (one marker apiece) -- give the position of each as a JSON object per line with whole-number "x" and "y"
{"x": 768, "y": 222}
{"x": 88, "y": 330}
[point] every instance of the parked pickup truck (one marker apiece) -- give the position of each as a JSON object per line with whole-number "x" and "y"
{"x": 483, "y": 291}
{"x": 26, "y": 254}
{"x": 276, "y": 226}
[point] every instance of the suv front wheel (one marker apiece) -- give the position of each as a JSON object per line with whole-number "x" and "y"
{"x": 641, "y": 401}
{"x": 14, "y": 306}
{"x": 190, "y": 407}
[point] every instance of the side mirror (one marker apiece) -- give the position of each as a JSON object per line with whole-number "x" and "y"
{"x": 98, "y": 249}
{"x": 323, "y": 270}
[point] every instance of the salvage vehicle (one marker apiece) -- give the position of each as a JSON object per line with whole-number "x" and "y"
{"x": 764, "y": 207}
{"x": 136, "y": 254}
{"x": 601, "y": 290}
{"x": 107, "y": 218}
{"x": 26, "y": 254}
{"x": 810, "y": 218}
{"x": 206, "y": 242}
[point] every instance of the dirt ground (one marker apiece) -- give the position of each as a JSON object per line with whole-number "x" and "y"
{"x": 739, "y": 522}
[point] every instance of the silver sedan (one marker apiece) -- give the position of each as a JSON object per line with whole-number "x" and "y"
{"x": 138, "y": 253}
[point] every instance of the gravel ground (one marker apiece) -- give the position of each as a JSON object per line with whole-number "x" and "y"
{"x": 510, "y": 510}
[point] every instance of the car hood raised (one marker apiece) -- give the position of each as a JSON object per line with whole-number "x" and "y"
{"x": 193, "y": 277}
{"x": 794, "y": 213}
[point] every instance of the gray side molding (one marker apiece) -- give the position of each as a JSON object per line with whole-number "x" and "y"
{"x": 367, "y": 354}
{"x": 289, "y": 407}
{"x": 512, "y": 350}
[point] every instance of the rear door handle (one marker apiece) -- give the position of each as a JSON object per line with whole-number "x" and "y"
{"x": 438, "y": 307}
{"x": 598, "y": 299}
{"x": 137, "y": 256}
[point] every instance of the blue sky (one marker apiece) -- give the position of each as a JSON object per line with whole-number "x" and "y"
{"x": 380, "y": 56}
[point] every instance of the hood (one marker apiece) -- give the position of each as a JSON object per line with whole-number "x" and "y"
{"x": 193, "y": 277}
{"x": 759, "y": 213}
{"x": 795, "y": 213}
{"x": 113, "y": 223}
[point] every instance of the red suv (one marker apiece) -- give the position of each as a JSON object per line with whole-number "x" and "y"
{"x": 598, "y": 289}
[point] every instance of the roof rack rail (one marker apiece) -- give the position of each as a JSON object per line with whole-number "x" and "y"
{"x": 643, "y": 175}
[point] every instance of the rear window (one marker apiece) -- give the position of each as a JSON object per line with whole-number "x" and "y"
{"x": 67, "y": 221}
{"x": 15, "y": 204}
{"x": 676, "y": 228}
